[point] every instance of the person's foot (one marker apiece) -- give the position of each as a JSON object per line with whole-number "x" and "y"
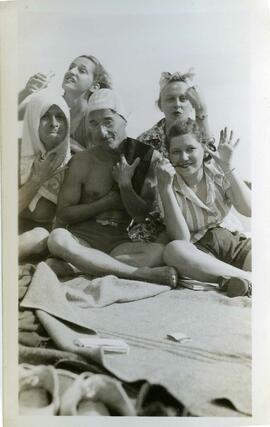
{"x": 235, "y": 286}
{"x": 160, "y": 275}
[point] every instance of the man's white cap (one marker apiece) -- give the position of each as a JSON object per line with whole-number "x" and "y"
{"x": 104, "y": 99}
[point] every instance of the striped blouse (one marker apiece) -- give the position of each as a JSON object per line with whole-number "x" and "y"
{"x": 202, "y": 216}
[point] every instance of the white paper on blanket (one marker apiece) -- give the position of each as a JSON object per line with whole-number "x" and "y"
{"x": 178, "y": 336}
{"x": 109, "y": 345}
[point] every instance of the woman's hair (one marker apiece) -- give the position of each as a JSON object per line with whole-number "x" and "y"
{"x": 167, "y": 78}
{"x": 101, "y": 76}
{"x": 190, "y": 127}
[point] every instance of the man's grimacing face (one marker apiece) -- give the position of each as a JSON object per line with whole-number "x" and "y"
{"x": 108, "y": 129}
{"x": 53, "y": 127}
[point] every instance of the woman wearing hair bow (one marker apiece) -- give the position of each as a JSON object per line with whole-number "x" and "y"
{"x": 178, "y": 99}
{"x": 45, "y": 153}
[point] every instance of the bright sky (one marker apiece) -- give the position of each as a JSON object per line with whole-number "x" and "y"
{"x": 137, "y": 42}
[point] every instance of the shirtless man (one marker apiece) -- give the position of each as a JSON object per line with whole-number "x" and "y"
{"x": 100, "y": 195}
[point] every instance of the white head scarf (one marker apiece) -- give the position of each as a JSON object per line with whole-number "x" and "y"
{"x": 104, "y": 99}
{"x": 167, "y": 78}
{"x": 32, "y": 145}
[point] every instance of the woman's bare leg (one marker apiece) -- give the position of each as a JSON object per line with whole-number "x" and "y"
{"x": 191, "y": 262}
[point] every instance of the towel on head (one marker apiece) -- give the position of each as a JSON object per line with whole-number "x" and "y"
{"x": 33, "y": 147}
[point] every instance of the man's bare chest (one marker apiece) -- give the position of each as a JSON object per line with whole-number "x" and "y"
{"x": 98, "y": 181}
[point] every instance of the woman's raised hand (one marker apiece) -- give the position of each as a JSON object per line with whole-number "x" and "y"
{"x": 165, "y": 173}
{"x": 195, "y": 98}
{"x": 224, "y": 154}
{"x": 45, "y": 169}
{"x": 37, "y": 82}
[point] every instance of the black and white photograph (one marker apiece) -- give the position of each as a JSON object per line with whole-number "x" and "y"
{"x": 136, "y": 197}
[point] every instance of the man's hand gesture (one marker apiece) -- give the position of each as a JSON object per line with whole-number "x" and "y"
{"x": 123, "y": 172}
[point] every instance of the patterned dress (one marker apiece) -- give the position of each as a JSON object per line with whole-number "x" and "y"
{"x": 156, "y": 137}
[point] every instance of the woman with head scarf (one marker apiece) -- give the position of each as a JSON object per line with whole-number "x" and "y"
{"x": 178, "y": 99}
{"x": 45, "y": 152}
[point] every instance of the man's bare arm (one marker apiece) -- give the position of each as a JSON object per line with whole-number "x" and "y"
{"x": 136, "y": 206}
{"x": 69, "y": 209}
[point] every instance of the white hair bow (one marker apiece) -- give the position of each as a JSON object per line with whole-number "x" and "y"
{"x": 167, "y": 77}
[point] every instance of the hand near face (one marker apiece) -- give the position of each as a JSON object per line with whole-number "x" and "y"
{"x": 37, "y": 82}
{"x": 45, "y": 169}
{"x": 123, "y": 172}
{"x": 223, "y": 155}
{"x": 195, "y": 98}
{"x": 165, "y": 173}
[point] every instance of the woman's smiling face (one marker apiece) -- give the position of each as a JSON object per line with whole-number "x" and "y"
{"x": 80, "y": 76}
{"x": 186, "y": 154}
{"x": 53, "y": 127}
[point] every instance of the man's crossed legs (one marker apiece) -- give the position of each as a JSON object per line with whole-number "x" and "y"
{"x": 142, "y": 261}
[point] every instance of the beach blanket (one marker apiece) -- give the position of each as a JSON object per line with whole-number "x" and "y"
{"x": 210, "y": 374}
